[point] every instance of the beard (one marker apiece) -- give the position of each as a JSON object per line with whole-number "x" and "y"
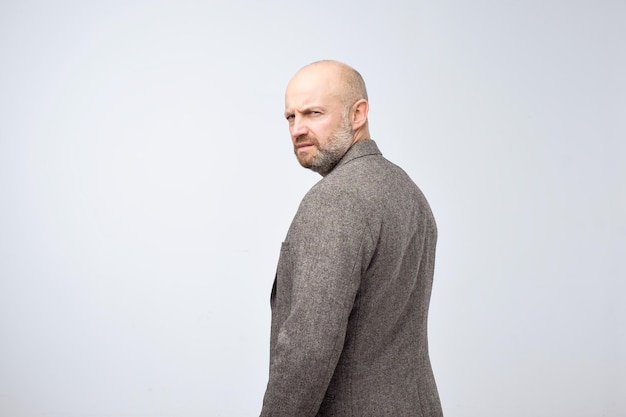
{"x": 329, "y": 154}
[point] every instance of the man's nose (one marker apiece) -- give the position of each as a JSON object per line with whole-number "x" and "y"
{"x": 298, "y": 128}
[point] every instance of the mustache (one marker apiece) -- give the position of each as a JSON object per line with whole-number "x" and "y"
{"x": 305, "y": 139}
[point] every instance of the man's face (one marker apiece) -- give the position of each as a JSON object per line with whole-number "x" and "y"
{"x": 319, "y": 122}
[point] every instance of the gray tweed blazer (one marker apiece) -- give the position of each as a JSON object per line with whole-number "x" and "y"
{"x": 350, "y": 299}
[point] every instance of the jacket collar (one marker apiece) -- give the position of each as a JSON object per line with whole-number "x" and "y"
{"x": 359, "y": 149}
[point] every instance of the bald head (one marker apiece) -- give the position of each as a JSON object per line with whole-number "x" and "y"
{"x": 326, "y": 107}
{"x": 342, "y": 81}
{"x": 337, "y": 86}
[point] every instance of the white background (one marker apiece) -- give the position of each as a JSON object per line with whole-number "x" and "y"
{"x": 147, "y": 180}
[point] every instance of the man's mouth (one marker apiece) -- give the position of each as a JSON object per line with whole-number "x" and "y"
{"x": 303, "y": 146}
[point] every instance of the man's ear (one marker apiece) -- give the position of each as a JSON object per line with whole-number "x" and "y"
{"x": 359, "y": 113}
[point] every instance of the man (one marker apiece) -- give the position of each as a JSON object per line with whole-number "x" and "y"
{"x": 352, "y": 289}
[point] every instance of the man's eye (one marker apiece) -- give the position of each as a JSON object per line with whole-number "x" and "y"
{"x": 290, "y": 117}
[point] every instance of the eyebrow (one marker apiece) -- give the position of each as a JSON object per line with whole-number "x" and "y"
{"x": 305, "y": 110}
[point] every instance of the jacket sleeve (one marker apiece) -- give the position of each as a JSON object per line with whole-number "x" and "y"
{"x": 328, "y": 246}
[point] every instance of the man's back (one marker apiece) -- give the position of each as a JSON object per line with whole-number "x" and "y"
{"x": 351, "y": 296}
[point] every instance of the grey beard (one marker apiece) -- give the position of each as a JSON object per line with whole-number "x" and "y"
{"x": 337, "y": 146}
